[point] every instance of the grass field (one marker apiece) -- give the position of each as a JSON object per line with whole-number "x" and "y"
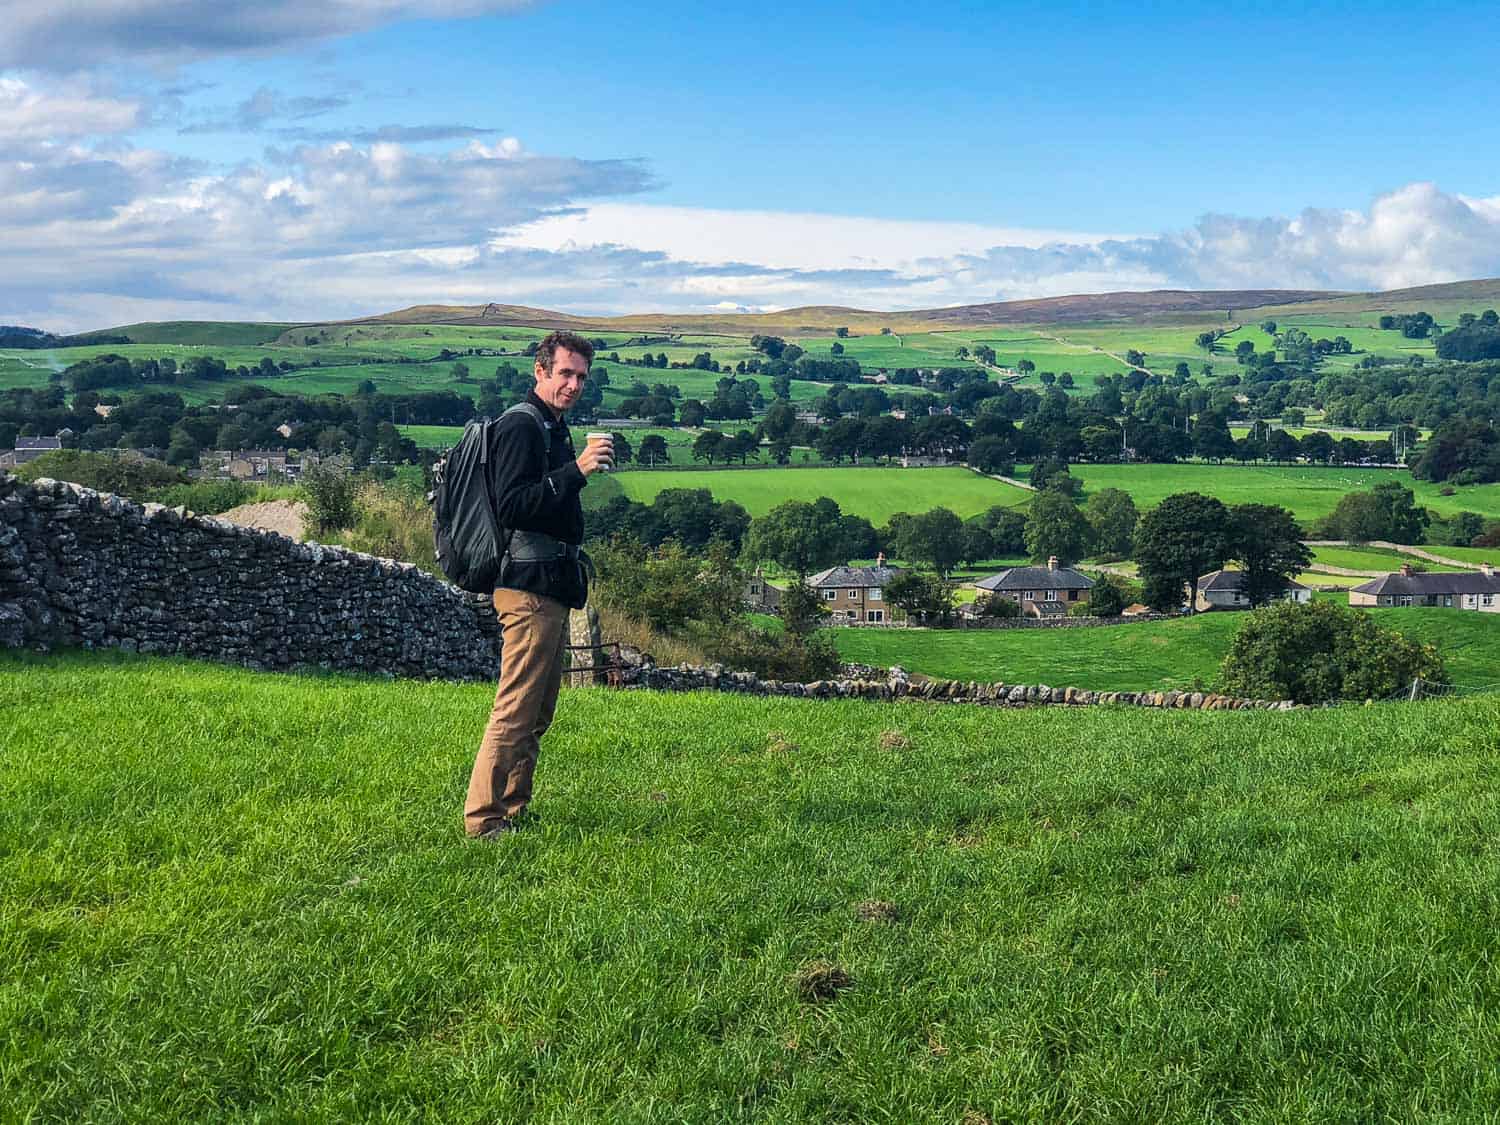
{"x": 1145, "y": 656}
{"x": 1380, "y": 559}
{"x": 875, "y": 493}
{"x": 1308, "y": 492}
{"x": 1051, "y": 915}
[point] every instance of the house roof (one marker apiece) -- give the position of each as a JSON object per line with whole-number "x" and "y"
{"x": 1228, "y": 581}
{"x": 38, "y": 443}
{"x": 1036, "y": 578}
{"x": 1429, "y": 582}
{"x": 864, "y": 576}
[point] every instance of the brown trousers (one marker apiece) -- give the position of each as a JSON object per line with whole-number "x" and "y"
{"x": 533, "y": 632}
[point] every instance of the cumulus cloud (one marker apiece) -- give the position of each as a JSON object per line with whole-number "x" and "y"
{"x": 68, "y": 34}
{"x": 30, "y": 115}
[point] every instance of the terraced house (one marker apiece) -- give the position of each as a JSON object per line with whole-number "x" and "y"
{"x": 855, "y": 595}
{"x": 1477, "y": 590}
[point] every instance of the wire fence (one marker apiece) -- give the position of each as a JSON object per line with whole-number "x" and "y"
{"x": 1420, "y": 689}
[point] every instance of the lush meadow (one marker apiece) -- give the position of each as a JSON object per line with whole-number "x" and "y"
{"x": 227, "y": 894}
{"x": 1149, "y": 655}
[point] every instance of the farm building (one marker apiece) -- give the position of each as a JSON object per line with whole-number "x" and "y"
{"x": 760, "y": 595}
{"x": 1476, "y": 590}
{"x": 30, "y": 448}
{"x": 855, "y": 595}
{"x": 1224, "y": 589}
{"x": 1042, "y": 591}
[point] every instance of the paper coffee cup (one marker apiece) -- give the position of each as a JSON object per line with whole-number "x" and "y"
{"x": 607, "y": 437}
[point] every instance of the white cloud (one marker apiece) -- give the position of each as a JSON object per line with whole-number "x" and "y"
{"x": 68, "y": 34}
{"x": 33, "y": 116}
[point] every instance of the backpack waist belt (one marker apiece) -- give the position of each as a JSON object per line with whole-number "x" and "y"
{"x": 536, "y": 546}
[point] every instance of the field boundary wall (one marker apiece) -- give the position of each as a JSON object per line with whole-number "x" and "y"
{"x": 80, "y": 568}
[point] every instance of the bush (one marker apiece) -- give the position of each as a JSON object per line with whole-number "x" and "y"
{"x": 998, "y": 605}
{"x": 331, "y": 489}
{"x": 668, "y": 588}
{"x": 393, "y": 523}
{"x": 770, "y": 655}
{"x": 1321, "y": 651}
{"x": 1106, "y": 599}
{"x": 136, "y": 477}
{"x": 206, "y": 497}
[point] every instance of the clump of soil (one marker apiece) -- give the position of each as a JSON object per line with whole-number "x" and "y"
{"x": 285, "y": 517}
{"x": 820, "y": 981}
{"x": 877, "y": 910}
{"x": 893, "y": 740}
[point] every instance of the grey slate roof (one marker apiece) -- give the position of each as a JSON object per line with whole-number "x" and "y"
{"x": 38, "y": 443}
{"x": 1036, "y": 578}
{"x": 1229, "y": 581}
{"x": 864, "y": 576}
{"x": 1430, "y": 582}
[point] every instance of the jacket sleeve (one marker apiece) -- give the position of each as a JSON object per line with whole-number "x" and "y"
{"x": 525, "y": 493}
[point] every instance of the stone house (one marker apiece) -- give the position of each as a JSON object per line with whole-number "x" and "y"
{"x": 1476, "y": 590}
{"x": 1224, "y": 589}
{"x": 760, "y": 595}
{"x": 30, "y": 448}
{"x": 855, "y": 595}
{"x": 1042, "y": 591}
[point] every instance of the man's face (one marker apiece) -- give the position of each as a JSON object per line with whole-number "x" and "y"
{"x": 560, "y": 387}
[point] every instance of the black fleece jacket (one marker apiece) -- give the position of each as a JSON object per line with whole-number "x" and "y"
{"x": 538, "y": 491}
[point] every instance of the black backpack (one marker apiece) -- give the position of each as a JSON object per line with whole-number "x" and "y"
{"x": 470, "y": 541}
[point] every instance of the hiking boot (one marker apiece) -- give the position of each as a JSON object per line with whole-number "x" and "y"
{"x": 496, "y": 829}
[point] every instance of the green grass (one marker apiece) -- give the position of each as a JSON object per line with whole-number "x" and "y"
{"x": 875, "y": 493}
{"x": 1098, "y": 914}
{"x": 1373, "y": 558}
{"x": 1143, "y": 656}
{"x": 1307, "y": 492}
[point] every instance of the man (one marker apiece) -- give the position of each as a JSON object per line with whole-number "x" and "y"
{"x": 535, "y": 480}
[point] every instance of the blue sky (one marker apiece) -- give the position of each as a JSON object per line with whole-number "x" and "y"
{"x": 609, "y": 157}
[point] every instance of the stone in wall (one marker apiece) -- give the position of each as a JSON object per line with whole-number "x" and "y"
{"x": 94, "y": 570}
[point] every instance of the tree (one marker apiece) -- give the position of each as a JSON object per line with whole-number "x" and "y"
{"x": 653, "y": 451}
{"x": 801, "y": 609}
{"x": 1055, "y": 526}
{"x": 1184, "y": 536}
{"x": 1211, "y": 437}
{"x": 841, "y": 333}
{"x": 993, "y": 455}
{"x": 461, "y": 372}
{"x": 1267, "y": 543}
{"x": 708, "y": 445}
{"x": 1106, "y": 599}
{"x": 1112, "y": 514}
{"x": 836, "y": 348}
{"x": 330, "y": 488}
{"x": 1322, "y": 651}
{"x": 1388, "y": 512}
{"x": 1206, "y": 340}
{"x": 798, "y": 536}
{"x": 692, "y": 413}
{"x": 935, "y": 538}
{"x": 923, "y": 596}
{"x": 623, "y": 451}
{"x": 1025, "y": 366}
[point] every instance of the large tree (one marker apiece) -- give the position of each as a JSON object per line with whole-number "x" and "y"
{"x": 1113, "y": 516}
{"x": 935, "y": 538}
{"x": 1184, "y": 536}
{"x": 1267, "y": 543}
{"x": 798, "y": 536}
{"x": 1055, "y": 526}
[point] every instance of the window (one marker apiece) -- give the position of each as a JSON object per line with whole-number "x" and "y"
{"x": 877, "y": 615}
{"x": 853, "y": 595}
{"x": 1052, "y": 595}
{"x": 1487, "y": 599}
{"x": 1030, "y": 595}
{"x": 755, "y": 587}
{"x": 1448, "y": 600}
{"x": 830, "y": 595}
{"x": 1406, "y": 599}
{"x": 1072, "y": 595}
{"x": 875, "y": 596}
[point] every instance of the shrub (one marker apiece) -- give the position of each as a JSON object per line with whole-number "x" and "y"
{"x": 331, "y": 489}
{"x": 207, "y": 497}
{"x": 998, "y": 605}
{"x": 1106, "y": 599}
{"x": 135, "y": 477}
{"x": 1322, "y": 651}
{"x": 393, "y": 523}
{"x": 770, "y": 655}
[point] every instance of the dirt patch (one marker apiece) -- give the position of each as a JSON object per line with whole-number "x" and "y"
{"x": 821, "y": 981}
{"x": 284, "y": 517}
{"x": 893, "y": 740}
{"x": 877, "y": 910}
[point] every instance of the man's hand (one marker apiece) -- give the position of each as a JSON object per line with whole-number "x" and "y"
{"x": 598, "y": 454}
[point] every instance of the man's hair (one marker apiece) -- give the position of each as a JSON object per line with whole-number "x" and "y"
{"x": 569, "y": 341}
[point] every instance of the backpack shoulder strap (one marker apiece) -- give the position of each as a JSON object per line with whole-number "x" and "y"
{"x": 531, "y": 411}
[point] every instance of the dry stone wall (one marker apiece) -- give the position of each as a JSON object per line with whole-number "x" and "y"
{"x": 88, "y": 569}
{"x": 895, "y": 684}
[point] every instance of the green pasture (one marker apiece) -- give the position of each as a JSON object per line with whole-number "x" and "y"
{"x": 1308, "y": 492}
{"x": 214, "y": 332}
{"x": 1473, "y": 556}
{"x": 1381, "y": 559}
{"x": 1142, "y": 656}
{"x": 875, "y": 493}
{"x": 732, "y": 909}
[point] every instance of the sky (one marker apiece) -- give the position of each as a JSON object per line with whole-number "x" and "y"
{"x": 205, "y": 159}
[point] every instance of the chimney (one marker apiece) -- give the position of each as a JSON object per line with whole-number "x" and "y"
{"x": 880, "y": 559}
{"x": 1406, "y": 570}
{"x": 1052, "y": 562}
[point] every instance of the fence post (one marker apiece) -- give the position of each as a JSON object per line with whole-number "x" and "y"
{"x": 584, "y": 630}
{"x": 1416, "y": 689}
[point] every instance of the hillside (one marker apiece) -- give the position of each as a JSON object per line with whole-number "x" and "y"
{"x": 233, "y": 894}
